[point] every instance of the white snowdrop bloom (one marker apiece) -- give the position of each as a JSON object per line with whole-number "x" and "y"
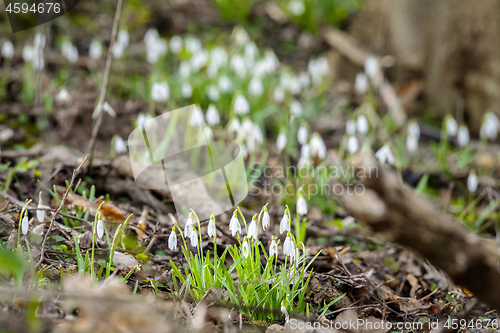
{"x": 211, "y": 226}
{"x": 188, "y": 228}
{"x": 372, "y": 67}
{"x": 208, "y": 135}
{"x": 362, "y": 124}
{"x": 100, "y": 229}
{"x": 451, "y": 126}
{"x": 218, "y": 57}
{"x": 158, "y": 48}
{"x": 304, "y": 80}
{"x": 193, "y": 237}
{"x": 384, "y": 155}
{"x": 160, "y": 92}
{"x": 266, "y": 220}
{"x": 361, "y": 84}
{"x": 118, "y": 50}
{"x": 317, "y": 146}
{"x": 69, "y": 51}
{"x": 301, "y": 206}
{"x": 414, "y": 129}
{"x": 285, "y": 223}
{"x": 279, "y": 94}
{"x": 271, "y": 61}
{"x": 95, "y": 50}
{"x": 199, "y": 60}
{"x": 176, "y": 44}
{"x": 294, "y": 85}
{"x": 245, "y": 249}
{"x": 251, "y": 53}
{"x": 490, "y": 126}
{"x": 285, "y": 313}
{"x": 281, "y": 141}
{"x": 40, "y": 213}
{"x": 28, "y": 53}
{"x": 38, "y": 60}
{"x": 184, "y": 70}
{"x": 288, "y": 246}
{"x": 172, "y": 241}
{"x": 472, "y": 182}
{"x": 8, "y": 49}
{"x": 213, "y": 93}
{"x": 352, "y": 144}
{"x": 186, "y": 90}
{"x": 463, "y": 136}
{"x": 296, "y": 108}
{"x": 123, "y": 37}
{"x": 63, "y": 96}
{"x": 213, "y": 117}
{"x": 225, "y": 84}
{"x": 305, "y": 151}
{"x": 411, "y": 143}
{"x": 234, "y": 127}
{"x": 142, "y": 119}
{"x": 273, "y": 248}
{"x": 151, "y": 36}
{"x": 302, "y": 135}
{"x": 234, "y": 224}
{"x": 120, "y": 145}
{"x": 238, "y": 65}
{"x": 39, "y": 41}
{"x": 350, "y": 127}
{"x": 255, "y": 87}
{"x": 241, "y": 106}
{"x": 106, "y": 107}
{"x": 197, "y": 118}
{"x": 260, "y": 69}
{"x": 252, "y": 228}
{"x": 296, "y": 7}
{"x": 192, "y": 44}
{"x": 318, "y": 69}
{"x": 24, "y": 225}
{"x": 240, "y": 36}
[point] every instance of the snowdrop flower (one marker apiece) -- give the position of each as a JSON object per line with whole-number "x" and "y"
{"x": 241, "y": 106}
{"x": 281, "y": 141}
{"x": 288, "y": 246}
{"x": 238, "y": 65}
{"x": 294, "y": 85}
{"x": 120, "y": 145}
{"x": 271, "y": 61}
{"x": 184, "y": 70}
{"x": 142, "y": 119}
{"x": 193, "y": 236}
{"x": 318, "y": 68}
{"x": 411, "y": 143}
{"x": 384, "y": 154}
{"x": 24, "y": 225}
{"x": 240, "y": 36}
{"x": 463, "y": 136}
{"x": 118, "y": 50}
{"x": 39, "y": 41}
{"x": 213, "y": 93}
{"x": 8, "y": 50}
{"x": 251, "y": 53}
{"x": 279, "y": 94}
{"x": 266, "y": 220}
{"x": 197, "y": 118}
{"x": 95, "y": 50}
{"x": 199, "y": 60}
{"x": 304, "y": 80}
{"x": 296, "y": 108}
{"x": 296, "y": 7}
{"x": 69, "y": 51}
{"x": 372, "y": 67}
{"x": 218, "y": 58}
{"x": 193, "y": 45}
{"x": 211, "y": 226}
{"x": 188, "y": 228}
{"x": 362, "y": 124}
{"x": 213, "y": 117}
{"x": 100, "y": 229}
{"x": 451, "y": 126}
{"x": 361, "y": 83}
{"x": 207, "y": 134}
{"x": 123, "y": 37}
{"x": 284, "y": 312}
{"x": 285, "y": 222}
{"x": 172, "y": 240}
{"x": 472, "y": 182}
{"x": 414, "y": 129}
{"x": 234, "y": 127}
{"x": 273, "y": 248}
{"x": 490, "y": 126}
{"x": 160, "y": 92}
{"x": 151, "y": 36}
{"x": 245, "y": 249}
{"x": 255, "y": 87}
{"x": 40, "y": 213}
{"x": 252, "y": 229}
{"x": 28, "y": 53}
{"x": 106, "y": 107}
{"x": 176, "y": 44}
{"x": 317, "y": 146}
{"x": 352, "y": 144}
{"x": 186, "y": 90}
{"x": 305, "y": 151}
{"x": 301, "y": 205}
{"x": 225, "y": 84}
{"x": 156, "y": 49}
{"x": 38, "y": 60}
{"x": 234, "y": 224}
{"x": 63, "y": 96}
{"x": 350, "y": 127}
{"x": 302, "y": 135}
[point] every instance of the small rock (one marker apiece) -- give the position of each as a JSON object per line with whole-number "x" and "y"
{"x": 275, "y": 328}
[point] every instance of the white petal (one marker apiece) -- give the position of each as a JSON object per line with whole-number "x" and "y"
{"x": 100, "y": 229}
{"x": 24, "y": 225}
